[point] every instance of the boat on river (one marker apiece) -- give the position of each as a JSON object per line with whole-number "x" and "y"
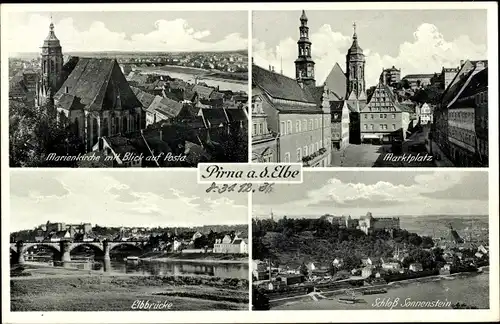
{"x": 350, "y": 298}
{"x": 132, "y": 259}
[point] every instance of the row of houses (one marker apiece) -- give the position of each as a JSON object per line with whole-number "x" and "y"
{"x": 459, "y": 136}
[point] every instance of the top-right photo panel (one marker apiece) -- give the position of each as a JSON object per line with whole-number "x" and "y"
{"x": 393, "y": 88}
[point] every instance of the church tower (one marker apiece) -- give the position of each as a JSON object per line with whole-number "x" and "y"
{"x": 52, "y": 64}
{"x": 355, "y": 70}
{"x": 304, "y": 65}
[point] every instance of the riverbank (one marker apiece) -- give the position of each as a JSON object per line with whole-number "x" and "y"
{"x": 194, "y": 258}
{"x": 413, "y": 289}
{"x": 240, "y": 77}
{"x": 77, "y": 290}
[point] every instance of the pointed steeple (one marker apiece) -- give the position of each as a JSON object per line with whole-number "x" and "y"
{"x": 304, "y": 65}
{"x": 51, "y": 36}
{"x": 355, "y": 49}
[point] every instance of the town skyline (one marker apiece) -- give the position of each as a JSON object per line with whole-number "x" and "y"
{"x": 424, "y": 42}
{"x": 174, "y": 31}
{"x": 384, "y": 194}
{"x": 117, "y": 199}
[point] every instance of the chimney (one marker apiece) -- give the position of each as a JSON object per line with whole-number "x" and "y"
{"x": 270, "y": 67}
{"x": 461, "y": 63}
{"x": 66, "y": 89}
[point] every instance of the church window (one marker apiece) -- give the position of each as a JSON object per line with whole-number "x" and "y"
{"x": 52, "y": 66}
{"x": 105, "y": 127}
{"x": 125, "y": 124}
{"x": 116, "y": 126}
{"x": 76, "y": 127}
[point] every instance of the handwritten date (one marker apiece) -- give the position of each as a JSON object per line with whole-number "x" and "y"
{"x": 241, "y": 187}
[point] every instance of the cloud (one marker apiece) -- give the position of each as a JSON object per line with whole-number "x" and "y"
{"x": 336, "y": 192}
{"x": 101, "y": 198}
{"x": 165, "y": 35}
{"x": 427, "y": 52}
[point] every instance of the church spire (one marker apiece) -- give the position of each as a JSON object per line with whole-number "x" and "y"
{"x": 304, "y": 65}
{"x": 354, "y": 35}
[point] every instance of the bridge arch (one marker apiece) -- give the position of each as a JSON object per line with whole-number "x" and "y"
{"x": 137, "y": 245}
{"x": 95, "y": 246}
{"x": 54, "y": 247}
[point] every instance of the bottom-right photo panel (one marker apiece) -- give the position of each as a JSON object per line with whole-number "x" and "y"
{"x": 372, "y": 240}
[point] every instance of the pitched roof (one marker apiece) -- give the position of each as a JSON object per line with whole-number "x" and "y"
{"x": 280, "y": 86}
{"x": 336, "y": 106}
{"x": 454, "y": 88}
{"x": 145, "y": 98}
{"x": 216, "y": 95}
{"x": 418, "y": 76}
{"x": 317, "y": 93}
{"x": 477, "y": 82}
{"x": 167, "y": 106}
{"x": 214, "y": 116}
{"x": 99, "y": 84}
{"x": 202, "y": 91}
{"x": 236, "y": 115}
{"x": 336, "y": 81}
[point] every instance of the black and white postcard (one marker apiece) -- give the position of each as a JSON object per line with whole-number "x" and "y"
{"x": 136, "y": 243}
{"x": 370, "y": 88}
{"x": 127, "y": 89}
{"x": 375, "y": 240}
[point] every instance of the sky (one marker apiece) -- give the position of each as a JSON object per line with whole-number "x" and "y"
{"x": 130, "y": 31}
{"x": 417, "y": 41}
{"x": 383, "y": 193}
{"x": 123, "y": 198}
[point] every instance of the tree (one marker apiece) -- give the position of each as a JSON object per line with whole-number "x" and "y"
{"x": 303, "y": 270}
{"x": 34, "y": 133}
{"x": 201, "y": 242}
{"x": 259, "y": 300}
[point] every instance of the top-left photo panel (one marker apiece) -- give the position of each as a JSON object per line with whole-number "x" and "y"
{"x": 109, "y": 89}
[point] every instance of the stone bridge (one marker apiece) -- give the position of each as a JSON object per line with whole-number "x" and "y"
{"x": 62, "y": 250}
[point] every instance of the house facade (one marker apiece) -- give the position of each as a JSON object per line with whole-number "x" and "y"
{"x": 383, "y": 119}
{"x": 264, "y": 141}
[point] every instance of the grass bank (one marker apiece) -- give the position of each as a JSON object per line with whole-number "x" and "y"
{"x": 91, "y": 292}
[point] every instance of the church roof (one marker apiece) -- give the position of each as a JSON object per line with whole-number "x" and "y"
{"x": 279, "y": 86}
{"x": 98, "y": 84}
{"x": 337, "y": 81}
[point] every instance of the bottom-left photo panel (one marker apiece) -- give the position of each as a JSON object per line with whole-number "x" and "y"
{"x": 125, "y": 241}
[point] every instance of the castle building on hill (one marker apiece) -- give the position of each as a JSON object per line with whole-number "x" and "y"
{"x": 368, "y": 223}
